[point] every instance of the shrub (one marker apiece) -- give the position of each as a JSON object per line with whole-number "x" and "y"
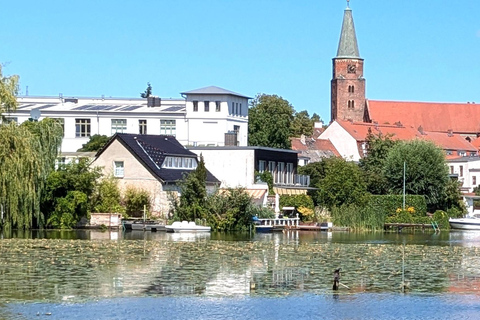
{"x": 135, "y": 201}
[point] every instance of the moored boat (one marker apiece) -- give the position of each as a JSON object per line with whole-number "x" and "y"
{"x": 186, "y": 226}
{"x": 467, "y": 223}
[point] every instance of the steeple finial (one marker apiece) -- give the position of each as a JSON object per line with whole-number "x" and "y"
{"x": 348, "y": 3}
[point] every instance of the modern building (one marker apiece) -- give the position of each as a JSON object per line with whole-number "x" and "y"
{"x": 209, "y": 116}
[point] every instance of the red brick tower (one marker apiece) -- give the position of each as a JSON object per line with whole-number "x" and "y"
{"x": 348, "y": 84}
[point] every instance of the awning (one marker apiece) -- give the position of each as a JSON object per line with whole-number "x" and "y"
{"x": 286, "y": 191}
{"x": 256, "y": 194}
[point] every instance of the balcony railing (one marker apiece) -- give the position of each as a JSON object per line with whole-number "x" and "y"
{"x": 302, "y": 180}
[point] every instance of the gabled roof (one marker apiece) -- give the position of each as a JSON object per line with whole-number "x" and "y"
{"x": 151, "y": 151}
{"x": 322, "y": 147}
{"x": 347, "y": 46}
{"x": 446, "y": 141}
{"x": 214, "y": 90}
{"x": 431, "y": 116}
{"x": 359, "y": 130}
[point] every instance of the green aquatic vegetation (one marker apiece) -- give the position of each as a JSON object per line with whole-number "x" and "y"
{"x": 55, "y": 270}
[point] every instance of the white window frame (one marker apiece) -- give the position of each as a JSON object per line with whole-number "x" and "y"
{"x": 119, "y": 125}
{"x": 118, "y": 169}
{"x": 168, "y": 127}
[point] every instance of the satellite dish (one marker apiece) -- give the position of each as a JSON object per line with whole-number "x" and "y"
{"x": 35, "y": 114}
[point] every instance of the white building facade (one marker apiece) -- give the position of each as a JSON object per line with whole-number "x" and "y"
{"x": 209, "y": 116}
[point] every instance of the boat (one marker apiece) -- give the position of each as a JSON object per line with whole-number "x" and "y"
{"x": 186, "y": 226}
{"x": 467, "y": 223}
{"x": 147, "y": 225}
{"x": 269, "y": 228}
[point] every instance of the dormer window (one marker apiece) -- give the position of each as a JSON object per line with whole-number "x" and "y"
{"x": 179, "y": 163}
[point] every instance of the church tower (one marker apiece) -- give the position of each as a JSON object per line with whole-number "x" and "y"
{"x": 348, "y": 84}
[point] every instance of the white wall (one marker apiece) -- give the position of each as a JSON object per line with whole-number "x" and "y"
{"x": 234, "y": 168}
{"x": 345, "y": 144}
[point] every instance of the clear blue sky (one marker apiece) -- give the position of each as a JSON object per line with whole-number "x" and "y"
{"x": 413, "y": 50}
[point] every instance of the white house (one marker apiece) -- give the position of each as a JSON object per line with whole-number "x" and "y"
{"x": 208, "y": 116}
{"x": 236, "y": 167}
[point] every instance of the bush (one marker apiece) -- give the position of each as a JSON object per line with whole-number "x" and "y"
{"x": 135, "y": 201}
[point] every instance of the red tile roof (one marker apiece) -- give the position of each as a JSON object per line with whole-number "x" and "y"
{"x": 432, "y": 116}
{"x": 455, "y": 142}
{"x": 313, "y": 144}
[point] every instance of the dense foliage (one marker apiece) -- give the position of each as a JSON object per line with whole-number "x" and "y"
{"x": 269, "y": 119}
{"x": 303, "y": 204}
{"x": 8, "y": 93}
{"x": 27, "y": 156}
{"x": 136, "y": 201}
{"x": 426, "y": 171}
{"x": 272, "y": 121}
{"x": 94, "y": 144}
{"x": 67, "y": 195}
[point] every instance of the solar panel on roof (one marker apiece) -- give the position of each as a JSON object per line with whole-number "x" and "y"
{"x": 173, "y": 109}
{"x": 46, "y": 106}
{"x": 130, "y": 108}
{"x": 25, "y": 106}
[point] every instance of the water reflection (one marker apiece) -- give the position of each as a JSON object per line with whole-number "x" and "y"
{"x": 59, "y": 266}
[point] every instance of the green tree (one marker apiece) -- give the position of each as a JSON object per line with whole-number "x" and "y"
{"x": 426, "y": 171}
{"x": 343, "y": 184}
{"x": 193, "y": 194}
{"x": 148, "y": 91}
{"x": 377, "y": 146}
{"x": 95, "y": 143}
{"x": 8, "y": 93}
{"x": 302, "y": 124}
{"x": 136, "y": 200}
{"x": 316, "y": 171}
{"x": 269, "y": 119}
{"x": 75, "y": 183}
{"x": 27, "y": 156}
{"x": 106, "y": 196}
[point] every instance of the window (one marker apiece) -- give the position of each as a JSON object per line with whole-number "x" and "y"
{"x": 82, "y": 128}
{"x": 461, "y": 171}
{"x": 195, "y": 106}
{"x": 217, "y": 106}
{"x": 236, "y": 129}
{"x": 451, "y": 169}
{"x": 262, "y": 164}
{"x": 240, "y": 110}
{"x": 179, "y": 163}
{"x": 168, "y": 127}
{"x": 119, "y": 125}
{"x": 207, "y": 106}
{"x": 142, "y": 126}
{"x": 236, "y": 108}
{"x": 474, "y": 181}
{"x": 233, "y": 108}
{"x": 289, "y": 174}
{"x": 351, "y": 104}
{"x": 281, "y": 172}
{"x": 118, "y": 169}
{"x": 351, "y": 89}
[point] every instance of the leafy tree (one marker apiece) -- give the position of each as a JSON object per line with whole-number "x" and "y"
{"x": 269, "y": 119}
{"x": 106, "y": 196}
{"x": 426, "y": 171}
{"x": 302, "y": 124}
{"x": 148, "y": 91}
{"x": 343, "y": 184}
{"x": 96, "y": 142}
{"x": 316, "y": 171}
{"x": 27, "y": 156}
{"x": 74, "y": 183}
{"x": 193, "y": 194}
{"x": 135, "y": 201}
{"x": 378, "y": 147}
{"x": 8, "y": 93}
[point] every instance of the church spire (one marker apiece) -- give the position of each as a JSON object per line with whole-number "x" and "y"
{"x": 347, "y": 47}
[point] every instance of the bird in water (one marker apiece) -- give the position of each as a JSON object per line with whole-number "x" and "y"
{"x": 336, "y": 278}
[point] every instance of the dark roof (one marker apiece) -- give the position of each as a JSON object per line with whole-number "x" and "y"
{"x": 348, "y": 47}
{"x": 214, "y": 90}
{"x": 151, "y": 151}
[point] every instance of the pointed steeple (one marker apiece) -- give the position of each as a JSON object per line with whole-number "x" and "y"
{"x": 347, "y": 47}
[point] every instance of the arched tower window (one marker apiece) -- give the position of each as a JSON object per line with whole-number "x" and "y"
{"x": 351, "y": 104}
{"x": 351, "y": 89}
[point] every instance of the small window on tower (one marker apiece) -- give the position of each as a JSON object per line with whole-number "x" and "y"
{"x": 351, "y": 104}
{"x": 351, "y": 89}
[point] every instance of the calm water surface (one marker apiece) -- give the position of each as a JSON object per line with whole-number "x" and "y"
{"x": 148, "y": 275}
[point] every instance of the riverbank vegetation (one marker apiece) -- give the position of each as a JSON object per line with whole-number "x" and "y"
{"x": 367, "y": 195}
